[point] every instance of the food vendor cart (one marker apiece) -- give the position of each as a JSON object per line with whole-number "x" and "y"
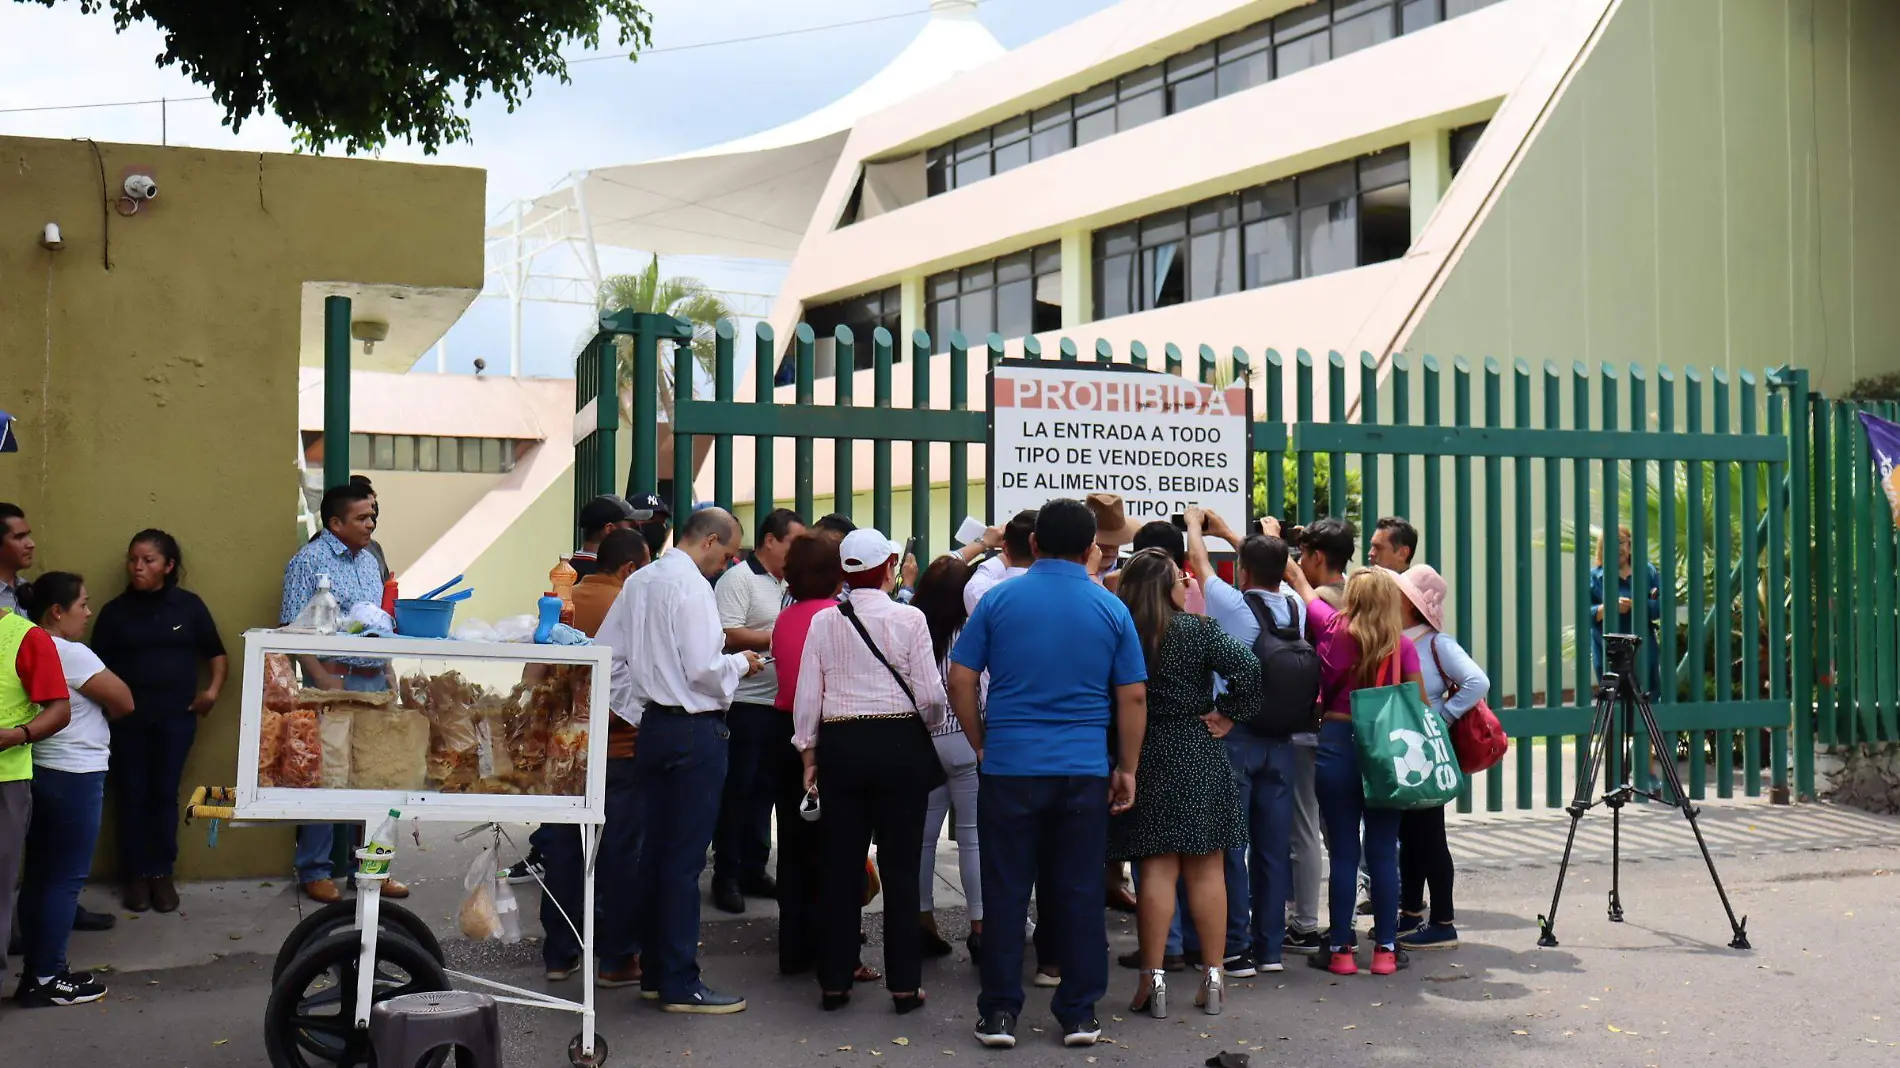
{"x": 442, "y": 731}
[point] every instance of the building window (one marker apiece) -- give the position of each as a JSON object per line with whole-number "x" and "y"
{"x": 1014, "y": 296}
{"x": 1330, "y": 219}
{"x": 413, "y": 452}
{"x": 1286, "y": 44}
{"x": 1464, "y": 140}
{"x": 863, "y": 314}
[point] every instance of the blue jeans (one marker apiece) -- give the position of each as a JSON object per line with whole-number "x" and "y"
{"x": 680, "y": 767}
{"x": 1055, "y": 826}
{"x": 316, "y": 842}
{"x": 616, "y": 870}
{"x": 67, "y": 807}
{"x": 1342, "y": 806}
{"x": 148, "y": 761}
{"x": 1259, "y": 878}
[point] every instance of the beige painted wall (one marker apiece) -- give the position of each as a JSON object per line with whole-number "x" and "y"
{"x": 418, "y": 506}
{"x": 163, "y": 391}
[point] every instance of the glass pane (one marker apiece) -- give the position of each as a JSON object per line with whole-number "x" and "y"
{"x": 383, "y": 452}
{"x": 1114, "y": 286}
{"x": 972, "y": 169}
{"x": 1047, "y": 313}
{"x": 1140, "y": 82}
{"x": 1274, "y": 198}
{"x": 976, "y": 313}
{"x": 1163, "y": 276}
{"x": 1165, "y": 226}
{"x": 940, "y": 286}
{"x": 1094, "y": 99}
{"x": 1295, "y": 56}
{"x": 1191, "y": 93}
{"x": 1011, "y": 156}
{"x": 1013, "y": 267}
{"x": 1134, "y": 111}
{"x": 1346, "y": 9}
{"x": 405, "y": 453}
{"x": 359, "y": 450}
{"x": 942, "y": 318}
{"x": 1269, "y": 251}
{"x": 1058, "y": 136}
{"x": 1052, "y": 117}
{"x": 937, "y": 173}
{"x": 471, "y": 454}
{"x": 1049, "y": 257}
{"x": 508, "y": 451}
{"x": 1010, "y": 131}
{"x": 1329, "y": 238}
{"x": 1385, "y": 223}
{"x": 1415, "y": 15}
{"x": 426, "y": 453}
{"x": 975, "y": 144}
{"x": 1191, "y": 64}
{"x": 1205, "y": 216}
{"x": 1093, "y": 127}
{"x": 491, "y": 456}
{"x": 1015, "y": 304}
{"x": 1301, "y": 19}
{"x": 1390, "y": 167}
{"x": 1363, "y": 32}
{"x": 1253, "y": 39}
{"x": 1455, "y": 8}
{"x": 1463, "y": 141}
{"x": 1213, "y": 264}
{"x": 1327, "y": 184}
{"x": 1243, "y": 72}
{"x": 977, "y": 276}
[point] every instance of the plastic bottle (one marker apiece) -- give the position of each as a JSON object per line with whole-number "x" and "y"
{"x": 381, "y": 847}
{"x": 389, "y": 597}
{"x": 323, "y": 611}
{"x": 550, "y": 608}
{"x": 563, "y": 578}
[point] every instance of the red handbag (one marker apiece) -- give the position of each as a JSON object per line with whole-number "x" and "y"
{"x": 1477, "y": 736}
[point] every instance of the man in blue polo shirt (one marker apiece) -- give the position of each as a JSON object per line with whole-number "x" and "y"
{"x": 1064, "y": 662}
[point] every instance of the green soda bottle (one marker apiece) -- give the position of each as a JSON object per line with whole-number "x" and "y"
{"x": 382, "y": 846}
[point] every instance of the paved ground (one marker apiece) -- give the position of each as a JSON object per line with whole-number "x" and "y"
{"x": 1662, "y": 989}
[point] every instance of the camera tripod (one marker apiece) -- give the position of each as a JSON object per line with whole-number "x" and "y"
{"x": 1619, "y": 704}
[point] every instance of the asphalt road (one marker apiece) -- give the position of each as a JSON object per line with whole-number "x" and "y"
{"x": 1661, "y": 989}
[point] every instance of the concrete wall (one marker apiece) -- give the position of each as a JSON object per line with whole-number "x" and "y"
{"x": 417, "y": 507}
{"x": 163, "y": 391}
{"x": 1712, "y": 189}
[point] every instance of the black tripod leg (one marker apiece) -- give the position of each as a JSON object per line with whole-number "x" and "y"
{"x": 1625, "y": 764}
{"x": 1580, "y": 803}
{"x": 1674, "y": 777}
{"x": 1616, "y": 862}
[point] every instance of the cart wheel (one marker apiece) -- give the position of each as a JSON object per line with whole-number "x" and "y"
{"x": 587, "y": 1060}
{"x": 310, "y": 1019}
{"x": 340, "y": 916}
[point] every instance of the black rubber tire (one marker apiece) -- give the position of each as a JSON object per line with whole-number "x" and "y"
{"x": 340, "y": 916}
{"x": 295, "y": 1037}
{"x": 578, "y": 1060}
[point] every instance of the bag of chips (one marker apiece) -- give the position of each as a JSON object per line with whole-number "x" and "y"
{"x": 270, "y": 738}
{"x": 300, "y": 753}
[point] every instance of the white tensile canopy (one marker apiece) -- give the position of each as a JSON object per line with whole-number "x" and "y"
{"x": 753, "y": 198}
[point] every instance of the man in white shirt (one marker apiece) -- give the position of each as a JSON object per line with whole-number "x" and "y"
{"x": 1014, "y": 560}
{"x": 673, "y": 679}
{"x": 750, "y": 596}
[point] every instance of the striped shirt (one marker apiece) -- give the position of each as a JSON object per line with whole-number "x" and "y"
{"x": 839, "y": 677}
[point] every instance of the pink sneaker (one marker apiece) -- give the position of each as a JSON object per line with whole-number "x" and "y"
{"x": 1386, "y": 960}
{"x": 1344, "y": 963}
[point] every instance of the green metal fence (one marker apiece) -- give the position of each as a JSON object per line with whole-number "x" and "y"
{"x": 1510, "y": 473}
{"x": 1857, "y": 581}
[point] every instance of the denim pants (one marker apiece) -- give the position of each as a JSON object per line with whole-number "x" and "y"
{"x": 959, "y": 765}
{"x": 616, "y": 867}
{"x": 1342, "y": 804}
{"x": 681, "y": 767}
{"x": 743, "y": 842}
{"x": 1268, "y": 770}
{"x": 147, "y": 762}
{"x": 1056, "y": 827}
{"x": 316, "y": 842}
{"x": 67, "y": 807}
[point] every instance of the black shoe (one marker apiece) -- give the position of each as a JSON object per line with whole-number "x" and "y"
{"x": 759, "y": 886}
{"x": 85, "y": 919}
{"x": 706, "y": 1001}
{"x": 524, "y": 871}
{"x": 67, "y": 988}
{"x": 727, "y": 898}
{"x": 1308, "y": 943}
{"x": 1082, "y": 1033}
{"x": 1240, "y": 966}
{"x": 934, "y": 945}
{"x": 997, "y": 1030}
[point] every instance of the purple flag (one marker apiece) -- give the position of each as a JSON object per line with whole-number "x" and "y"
{"x": 1883, "y": 440}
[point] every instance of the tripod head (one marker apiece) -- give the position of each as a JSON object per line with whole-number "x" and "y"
{"x": 1619, "y": 652}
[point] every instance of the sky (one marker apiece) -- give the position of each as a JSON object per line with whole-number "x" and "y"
{"x": 613, "y": 111}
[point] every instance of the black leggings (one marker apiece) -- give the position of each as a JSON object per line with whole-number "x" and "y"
{"x": 1425, "y": 858}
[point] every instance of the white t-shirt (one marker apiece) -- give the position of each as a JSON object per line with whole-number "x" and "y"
{"x": 748, "y": 596}
{"x": 86, "y": 743}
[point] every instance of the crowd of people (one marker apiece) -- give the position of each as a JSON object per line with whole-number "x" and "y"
{"x": 1073, "y": 691}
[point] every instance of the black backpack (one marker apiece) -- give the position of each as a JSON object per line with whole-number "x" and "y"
{"x": 1289, "y": 677}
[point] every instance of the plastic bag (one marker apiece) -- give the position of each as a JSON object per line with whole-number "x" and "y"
{"x": 479, "y": 918}
{"x": 508, "y": 909}
{"x": 474, "y": 631}
{"x": 515, "y": 629}
{"x": 280, "y": 683}
{"x": 333, "y": 724}
{"x": 366, "y": 618}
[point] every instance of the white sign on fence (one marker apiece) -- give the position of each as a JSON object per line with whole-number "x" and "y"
{"x": 1157, "y": 440}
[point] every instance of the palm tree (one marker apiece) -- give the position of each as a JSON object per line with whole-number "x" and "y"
{"x": 683, "y": 298}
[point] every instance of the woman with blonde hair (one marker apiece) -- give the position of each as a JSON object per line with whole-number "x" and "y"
{"x": 1361, "y": 645}
{"x": 1188, "y": 810}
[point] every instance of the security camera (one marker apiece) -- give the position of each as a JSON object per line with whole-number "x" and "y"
{"x": 141, "y": 187}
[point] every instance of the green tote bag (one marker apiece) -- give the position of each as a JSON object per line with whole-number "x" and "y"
{"x": 1406, "y": 760}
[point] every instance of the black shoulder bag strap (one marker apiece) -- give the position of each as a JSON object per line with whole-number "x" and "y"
{"x": 845, "y": 608}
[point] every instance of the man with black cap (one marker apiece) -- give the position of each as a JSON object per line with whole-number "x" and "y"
{"x": 599, "y": 517}
{"x": 651, "y": 517}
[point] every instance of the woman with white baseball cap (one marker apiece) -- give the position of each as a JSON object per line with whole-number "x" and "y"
{"x": 869, "y": 693}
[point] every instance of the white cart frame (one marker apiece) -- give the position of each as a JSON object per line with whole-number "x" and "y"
{"x": 587, "y": 812}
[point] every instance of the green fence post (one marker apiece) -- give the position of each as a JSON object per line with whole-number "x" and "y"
{"x": 1697, "y": 659}
{"x": 1104, "y": 352}
{"x": 881, "y": 348}
{"x": 724, "y": 336}
{"x": 1778, "y": 636}
{"x": 804, "y": 345}
{"x": 1639, "y": 565}
{"x": 1401, "y": 379}
{"x": 336, "y": 391}
{"x": 1722, "y": 661}
{"x": 844, "y": 390}
{"x": 1303, "y": 459}
{"x": 1338, "y": 497}
{"x": 1276, "y": 413}
{"x": 920, "y": 449}
{"x": 1171, "y": 355}
{"x": 1210, "y": 364}
{"x": 959, "y": 452}
{"x": 1554, "y": 587}
{"x": 643, "y": 476}
{"x": 682, "y": 443}
{"x": 1861, "y": 565}
{"x": 1433, "y": 528}
{"x": 1801, "y": 544}
{"x": 1750, "y": 589}
{"x": 1138, "y": 354}
{"x": 1493, "y": 527}
{"x": 1667, "y": 651}
{"x": 1881, "y": 574}
{"x": 764, "y": 488}
{"x": 1583, "y": 693}
{"x": 1066, "y": 351}
{"x": 1369, "y": 509}
{"x": 1462, "y": 576}
{"x": 1523, "y": 633}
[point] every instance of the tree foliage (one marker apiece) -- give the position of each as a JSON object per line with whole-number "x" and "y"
{"x": 683, "y": 298}
{"x": 357, "y": 73}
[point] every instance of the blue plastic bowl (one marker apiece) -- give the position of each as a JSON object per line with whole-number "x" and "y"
{"x": 424, "y": 619}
